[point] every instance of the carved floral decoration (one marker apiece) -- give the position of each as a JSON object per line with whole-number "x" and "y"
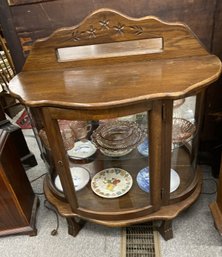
{"x": 119, "y": 28}
{"x": 104, "y": 24}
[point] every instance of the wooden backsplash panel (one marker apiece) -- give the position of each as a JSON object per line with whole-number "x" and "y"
{"x": 41, "y": 19}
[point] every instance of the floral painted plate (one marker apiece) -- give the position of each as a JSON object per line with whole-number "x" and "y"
{"x": 80, "y": 177}
{"x": 143, "y": 180}
{"x": 82, "y": 150}
{"x": 111, "y": 183}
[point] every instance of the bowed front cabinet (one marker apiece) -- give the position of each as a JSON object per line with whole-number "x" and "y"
{"x": 138, "y": 87}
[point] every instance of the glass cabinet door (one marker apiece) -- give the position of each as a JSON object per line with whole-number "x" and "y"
{"x": 109, "y": 163}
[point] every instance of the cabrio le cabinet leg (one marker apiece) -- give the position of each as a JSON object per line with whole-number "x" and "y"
{"x": 165, "y": 229}
{"x": 74, "y": 226}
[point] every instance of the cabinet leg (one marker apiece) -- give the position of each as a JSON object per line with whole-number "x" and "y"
{"x": 74, "y": 226}
{"x": 165, "y": 229}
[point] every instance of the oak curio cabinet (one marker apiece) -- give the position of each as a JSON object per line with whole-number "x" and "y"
{"x": 116, "y": 102}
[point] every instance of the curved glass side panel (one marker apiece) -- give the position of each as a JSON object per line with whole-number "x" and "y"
{"x": 183, "y": 161}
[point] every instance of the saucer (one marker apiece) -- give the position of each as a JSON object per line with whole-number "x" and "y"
{"x": 143, "y": 180}
{"x": 144, "y": 148}
{"x": 82, "y": 150}
{"x": 80, "y": 178}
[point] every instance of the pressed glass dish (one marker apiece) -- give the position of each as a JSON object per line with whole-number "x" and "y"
{"x": 183, "y": 130}
{"x": 117, "y": 138}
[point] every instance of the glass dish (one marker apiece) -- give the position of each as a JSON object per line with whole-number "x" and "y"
{"x": 182, "y": 130}
{"x": 117, "y": 138}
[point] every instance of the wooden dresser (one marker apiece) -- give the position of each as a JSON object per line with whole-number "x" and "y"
{"x": 18, "y": 203}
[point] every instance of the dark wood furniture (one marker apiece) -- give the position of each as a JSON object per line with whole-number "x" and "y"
{"x": 132, "y": 66}
{"x": 216, "y": 206}
{"x": 18, "y": 203}
{"x": 27, "y": 158}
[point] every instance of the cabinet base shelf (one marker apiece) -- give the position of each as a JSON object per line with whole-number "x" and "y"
{"x": 165, "y": 213}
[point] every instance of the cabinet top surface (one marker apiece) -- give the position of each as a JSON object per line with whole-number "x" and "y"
{"x": 110, "y": 59}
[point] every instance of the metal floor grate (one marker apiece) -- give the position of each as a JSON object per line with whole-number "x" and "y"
{"x": 140, "y": 241}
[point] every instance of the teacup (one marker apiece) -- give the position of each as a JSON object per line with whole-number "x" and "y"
{"x": 67, "y": 134}
{"x": 71, "y": 131}
{"x": 67, "y": 137}
{"x": 80, "y": 129}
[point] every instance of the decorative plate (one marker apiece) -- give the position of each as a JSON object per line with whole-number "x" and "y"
{"x": 174, "y": 181}
{"x": 143, "y": 180}
{"x": 144, "y": 148}
{"x": 111, "y": 183}
{"x": 82, "y": 150}
{"x": 80, "y": 177}
{"x": 182, "y": 130}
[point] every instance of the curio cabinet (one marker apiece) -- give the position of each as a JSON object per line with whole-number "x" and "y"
{"x": 116, "y": 106}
